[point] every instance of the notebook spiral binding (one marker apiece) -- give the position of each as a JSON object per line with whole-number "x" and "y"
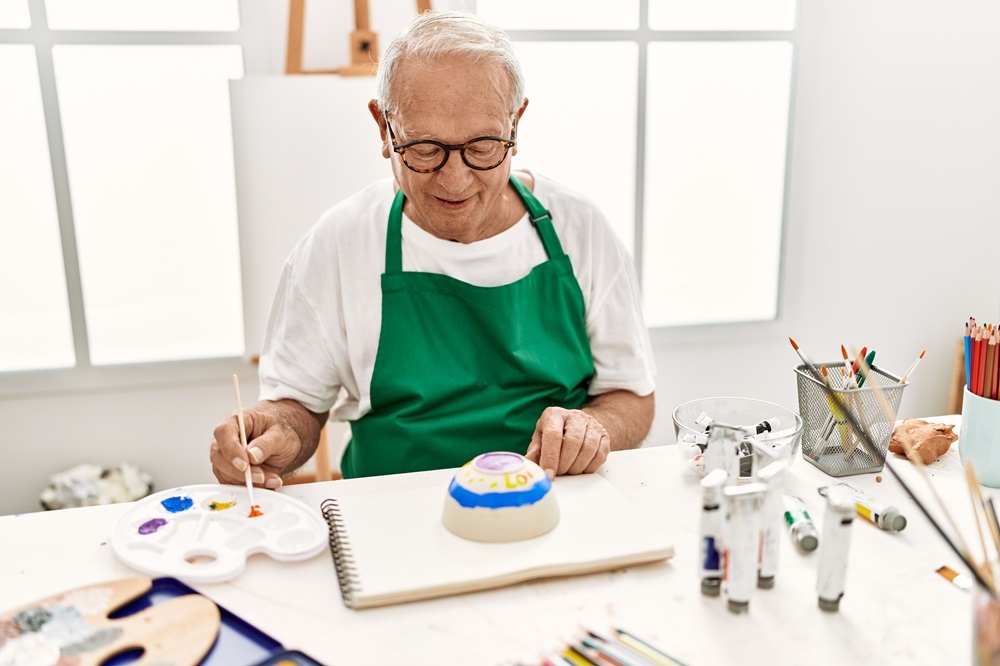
{"x": 340, "y": 548}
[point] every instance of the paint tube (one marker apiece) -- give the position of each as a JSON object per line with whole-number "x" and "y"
{"x": 832, "y": 569}
{"x": 770, "y": 522}
{"x": 742, "y": 538}
{"x": 705, "y": 421}
{"x": 711, "y": 532}
{"x": 723, "y": 449}
{"x": 800, "y": 525}
{"x": 886, "y": 516}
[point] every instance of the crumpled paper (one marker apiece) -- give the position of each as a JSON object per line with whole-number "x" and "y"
{"x": 89, "y": 484}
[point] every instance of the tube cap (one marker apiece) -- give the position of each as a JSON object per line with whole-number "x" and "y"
{"x": 808, "y": 542}
{"x": 829, "y": 605}
{"x": 894, "y": 520}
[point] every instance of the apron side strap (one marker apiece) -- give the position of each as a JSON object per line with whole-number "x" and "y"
{"x": 540, "y": 218}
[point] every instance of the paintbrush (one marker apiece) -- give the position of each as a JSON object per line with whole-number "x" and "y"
{"x": 254, "y": 507}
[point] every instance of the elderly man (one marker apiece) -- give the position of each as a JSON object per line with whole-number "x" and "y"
{"x": 457, "y": 308}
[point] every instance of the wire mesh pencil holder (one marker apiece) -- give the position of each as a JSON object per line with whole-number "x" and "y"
{"x": 829, "y": 440}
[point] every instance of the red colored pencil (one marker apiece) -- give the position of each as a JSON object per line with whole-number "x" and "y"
{"x": 977, "y": 346}
{"x": 988, "y": 379}
{"x": 996, "y": 367}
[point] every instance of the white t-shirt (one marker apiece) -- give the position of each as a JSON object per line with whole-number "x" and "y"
{"x": 323, "y": 331}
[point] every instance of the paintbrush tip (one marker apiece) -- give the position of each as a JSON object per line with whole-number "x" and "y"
{"x": 793, "y": 344}
{"x": 922, "y": 353}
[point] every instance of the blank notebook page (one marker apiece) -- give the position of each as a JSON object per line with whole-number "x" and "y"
{"x": 396, "y": 548}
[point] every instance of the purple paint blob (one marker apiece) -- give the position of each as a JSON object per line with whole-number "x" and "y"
{"x": 499, "y": 462}
{"x": 151, "y": 526}
{"x": 177, "y": 504}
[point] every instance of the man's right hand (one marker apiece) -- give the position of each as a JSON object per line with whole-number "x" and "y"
{"x": 271, "y": 447}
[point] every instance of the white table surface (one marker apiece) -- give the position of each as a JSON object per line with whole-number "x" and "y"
{"x": 896, "y": 609}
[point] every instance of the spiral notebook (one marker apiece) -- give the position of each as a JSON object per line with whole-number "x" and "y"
{"x": 391, "y": 547}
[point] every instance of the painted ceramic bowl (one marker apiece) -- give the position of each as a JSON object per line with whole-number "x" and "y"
{"x": 500, "y": 496}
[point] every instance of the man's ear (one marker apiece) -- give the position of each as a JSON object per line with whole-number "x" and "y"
{"x": 380, "y": 121}
{"x": 517, "y": 121}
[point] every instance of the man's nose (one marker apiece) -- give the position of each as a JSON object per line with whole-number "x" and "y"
{"x": 455, "y": 175}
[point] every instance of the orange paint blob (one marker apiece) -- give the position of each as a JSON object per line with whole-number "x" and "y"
{"x": 255, "y": 511}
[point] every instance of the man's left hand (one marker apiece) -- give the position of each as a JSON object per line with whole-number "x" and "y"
{"x": 568, "y": 441}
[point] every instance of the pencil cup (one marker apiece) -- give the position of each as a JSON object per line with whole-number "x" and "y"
{"x": 979, "y": 437}
{"x": 830, "y": 440}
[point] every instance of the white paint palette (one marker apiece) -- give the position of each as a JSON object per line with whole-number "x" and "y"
{"x": 204, "y": 533}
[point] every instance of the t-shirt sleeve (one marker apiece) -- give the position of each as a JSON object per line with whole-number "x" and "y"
{"x": 619, "y": 339}
{"x": 296, "y": 361}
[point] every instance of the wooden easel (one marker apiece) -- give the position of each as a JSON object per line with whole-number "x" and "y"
{"x": 364, "y": 42}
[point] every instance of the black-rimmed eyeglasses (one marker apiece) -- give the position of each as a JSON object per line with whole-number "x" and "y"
{"x": 425, "y": 156}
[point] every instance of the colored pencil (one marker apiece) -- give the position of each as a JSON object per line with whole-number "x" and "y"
{"x": 977, "y": 344}
{"x": 647, "y": 649}
{"x": 968, "y": 350}
{"x": 996, "y": 368}
{"x": 991, "y": 348}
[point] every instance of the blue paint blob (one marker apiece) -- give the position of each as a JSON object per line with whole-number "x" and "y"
{"x": 177, "y": 504}
{"x": 151, "y": 526}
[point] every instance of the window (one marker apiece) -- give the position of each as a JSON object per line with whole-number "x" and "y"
{"x": 673, "y": 115}
{"x": 117, "y": 191}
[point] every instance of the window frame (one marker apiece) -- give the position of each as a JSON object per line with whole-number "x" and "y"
{"x": 644, "y": 36}
{"x": 85, "y": 375}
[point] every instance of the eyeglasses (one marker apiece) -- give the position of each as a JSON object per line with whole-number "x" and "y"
{"x": 425, "y": 156}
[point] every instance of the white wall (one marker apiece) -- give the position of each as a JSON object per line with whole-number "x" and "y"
{"x": 895, "y": 162}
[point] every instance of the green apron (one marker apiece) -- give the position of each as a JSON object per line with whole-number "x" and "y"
{"x": 461, "y": 369}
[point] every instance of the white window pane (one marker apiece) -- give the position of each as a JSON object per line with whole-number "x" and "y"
{"x": 158, "y": 15}
{"x": 35, "y": 331}
{"x": 561, "y": 14}
{"x": 149, "y": 151}
{"x": 722, "y": 14}
{"x": 581, "y": 133}
{"x": 14, "y": 14}
{"x": 717, "y": 128}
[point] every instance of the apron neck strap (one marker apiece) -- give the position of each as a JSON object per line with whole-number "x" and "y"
{"x": 394, "y": 239}
{"x": 540, "y": 218}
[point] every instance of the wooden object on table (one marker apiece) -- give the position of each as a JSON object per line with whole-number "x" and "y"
{"x": 957, "y": 380}
{"x": 364, "y": 41}
{"x": 179, "y": 631}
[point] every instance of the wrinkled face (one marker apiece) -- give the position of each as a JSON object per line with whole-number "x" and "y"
{"x": 451, "y": 101}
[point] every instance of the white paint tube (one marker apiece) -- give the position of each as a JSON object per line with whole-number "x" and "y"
{"x": 711, "y": 532}
{"x": 886, "y": 516}
{"x": 832, "y": 570}
{"x": 742, "y": 538}
{"x": 770, "y": 522}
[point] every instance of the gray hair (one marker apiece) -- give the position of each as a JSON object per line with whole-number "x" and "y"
{"x": 438, "y": 33}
